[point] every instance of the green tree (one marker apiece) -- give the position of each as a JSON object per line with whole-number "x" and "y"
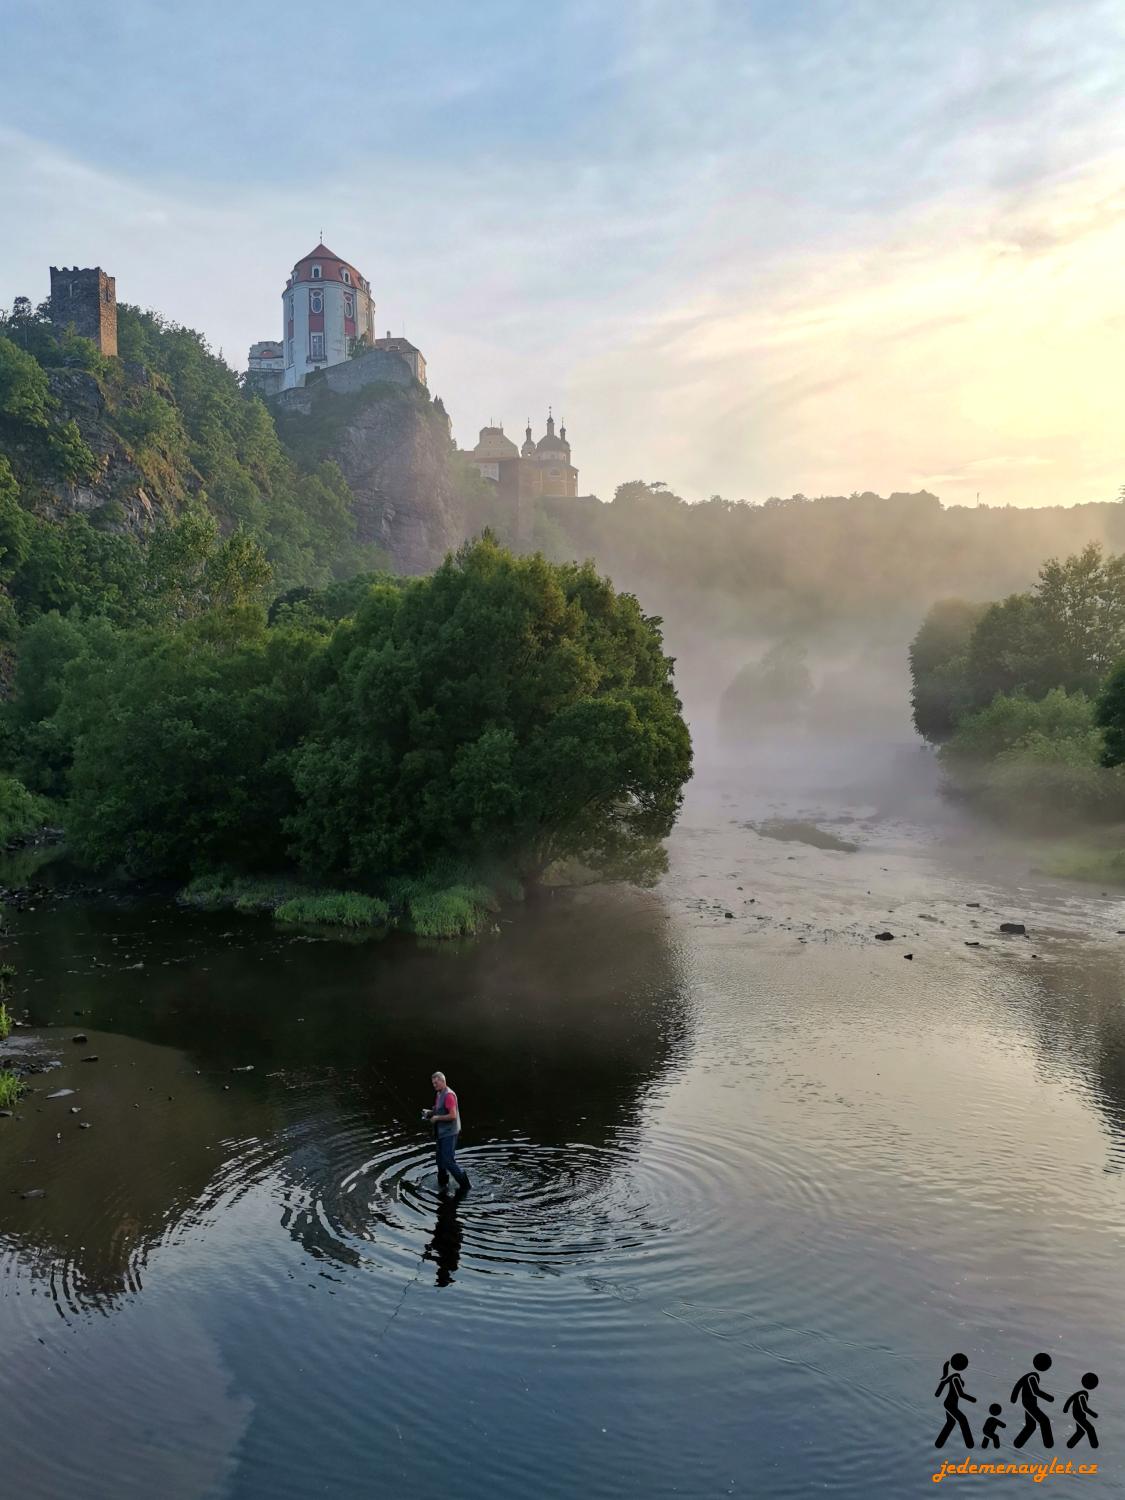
{"x": 180, "y": 740}
{"x": 501, "y": 709}
{"x": 776, "y": 689}
{"x": 190, "y": 569}
{"x": 1081, "y": 603}
{"x": 1109, "y": 715}
{"x": 938, "y": 667}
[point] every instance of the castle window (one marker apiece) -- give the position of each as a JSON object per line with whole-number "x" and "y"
{"x": 316, "y": 346}
{"x": 289, "y": 351}
{"x": 316, "y": 302}
{"x": 349, "y": 306}
{"x": 345, "y": 277}
{"x": 316, "y": 273}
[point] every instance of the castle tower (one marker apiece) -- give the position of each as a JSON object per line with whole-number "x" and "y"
{"x": 85, "y": 301}
{"x": 326, "y": 309}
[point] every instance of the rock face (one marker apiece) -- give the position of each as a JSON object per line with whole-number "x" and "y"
{"x": 392, "y": 445}
{"x": 118, "y": 497}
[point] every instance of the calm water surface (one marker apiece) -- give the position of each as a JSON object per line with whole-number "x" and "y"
{"x": 741, "y": 1184}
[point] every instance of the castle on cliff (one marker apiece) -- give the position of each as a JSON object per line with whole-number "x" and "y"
{"x": 327, "y": 318}
{"x": 328, "y": 325}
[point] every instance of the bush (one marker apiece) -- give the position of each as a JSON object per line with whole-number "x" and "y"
{"x": 1035, "y": 763}
{"x": 5, "y": 1022}
{"x": 335, "y": 909}
{"x": 10, "y": 1088}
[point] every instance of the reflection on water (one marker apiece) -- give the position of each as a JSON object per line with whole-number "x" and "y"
{"x": 740, "y": 1183}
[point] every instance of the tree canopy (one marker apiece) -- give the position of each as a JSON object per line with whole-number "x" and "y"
{"x": 502, "y": 712}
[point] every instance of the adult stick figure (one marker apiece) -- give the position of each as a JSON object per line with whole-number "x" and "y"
{"x": 954, "y": 1388}
{"x": 1028, "y": 1391}
{"x": 1079, "y": 1404}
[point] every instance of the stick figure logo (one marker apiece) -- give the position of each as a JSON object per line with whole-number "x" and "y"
{"x": 1028, "y": 1394}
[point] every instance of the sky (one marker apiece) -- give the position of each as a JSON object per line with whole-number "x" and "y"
{"x": 743, "y": 247}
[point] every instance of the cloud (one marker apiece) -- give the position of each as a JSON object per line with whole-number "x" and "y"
{"x": 751, "y": 249}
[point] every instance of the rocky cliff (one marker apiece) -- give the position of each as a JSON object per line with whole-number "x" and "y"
{"x": 392, "y": 445}
{"x": 125, "y": 491}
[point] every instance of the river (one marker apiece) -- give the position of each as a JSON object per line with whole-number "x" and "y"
{"x": 741, "y": 1183}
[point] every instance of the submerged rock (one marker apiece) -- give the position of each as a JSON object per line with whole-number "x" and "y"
{"x": 884, "y": 937}
{"x": 1016, "y": 927}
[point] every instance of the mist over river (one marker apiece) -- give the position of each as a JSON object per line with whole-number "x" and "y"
{"x": 742, "y": 1183}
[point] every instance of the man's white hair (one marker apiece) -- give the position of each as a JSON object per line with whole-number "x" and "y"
{"x": 437, "y": 1073}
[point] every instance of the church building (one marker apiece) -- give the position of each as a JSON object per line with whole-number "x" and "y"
{"x": 537, "y": 468}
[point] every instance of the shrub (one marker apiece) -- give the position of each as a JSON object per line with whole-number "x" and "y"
{"x": 5, "y": 1022}
{"x": 10, "y": 1088}
{"x": 1035, "y": 762}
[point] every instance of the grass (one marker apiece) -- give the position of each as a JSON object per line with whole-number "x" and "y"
{"x": 288, "y": 900}
{"x": 455, "y": 911}
{"x": 335, "y": 909}
{"x": 1078, "y": 862}
{"x": 241, "y": 893}
{"x": 10, "y": 1088}
{"x": 448, "y": 901}
{"x": 5, "y": 1023}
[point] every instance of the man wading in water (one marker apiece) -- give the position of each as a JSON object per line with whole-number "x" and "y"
{"x": 445, "y": 1117}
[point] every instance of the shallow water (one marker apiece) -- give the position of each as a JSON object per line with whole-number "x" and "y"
{"x": 741, "y": 1184}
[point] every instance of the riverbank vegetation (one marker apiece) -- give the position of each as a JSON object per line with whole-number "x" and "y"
{"x": 167, "y": 420}
{"x": 1025, "y": 700}
{"x": 10, "y": 1088}
{"x": 390, "y": 743}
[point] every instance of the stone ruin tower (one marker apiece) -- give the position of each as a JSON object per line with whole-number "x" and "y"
{"x": 85, "y": 301}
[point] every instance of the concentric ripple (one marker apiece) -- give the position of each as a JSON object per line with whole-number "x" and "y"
{"x": 532, "y": 1208}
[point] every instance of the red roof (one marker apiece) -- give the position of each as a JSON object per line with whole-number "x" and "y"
{"x": 330, "y": 267}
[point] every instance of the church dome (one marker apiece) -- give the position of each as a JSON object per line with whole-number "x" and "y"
{"x": 494, "y": 444}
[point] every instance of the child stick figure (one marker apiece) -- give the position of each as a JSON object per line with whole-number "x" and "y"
{"x": 991, "y": 1426}
{"x": 1079, "y": 1405}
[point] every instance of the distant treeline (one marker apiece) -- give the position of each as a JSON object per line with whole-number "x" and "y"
{"x": 862, "y": 564}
